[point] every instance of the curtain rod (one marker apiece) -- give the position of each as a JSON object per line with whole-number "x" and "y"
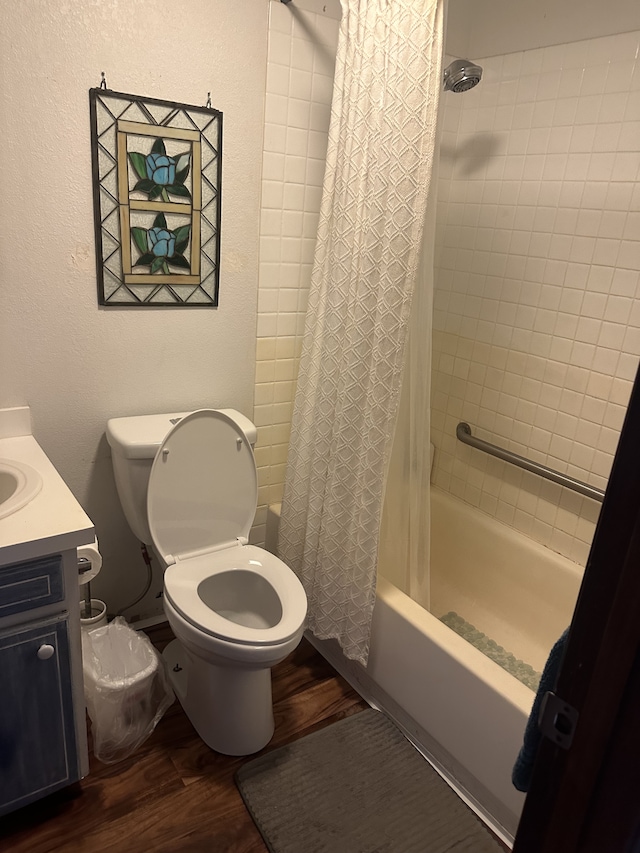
{"x": 463, "y": 434}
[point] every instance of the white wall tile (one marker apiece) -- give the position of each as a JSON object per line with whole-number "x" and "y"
{"x": 536, "y": 312}
{"x": 549, "y": 222}
{"x": 297, "y": 112}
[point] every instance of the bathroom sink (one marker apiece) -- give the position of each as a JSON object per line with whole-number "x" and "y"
{"x": 19, "y": 484}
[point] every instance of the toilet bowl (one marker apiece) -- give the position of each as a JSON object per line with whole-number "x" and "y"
{"x": 236, "y": 610}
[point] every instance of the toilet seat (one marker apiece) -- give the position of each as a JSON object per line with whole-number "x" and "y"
{"x": 201, "y": 502}
{"x": 182, "y": 580}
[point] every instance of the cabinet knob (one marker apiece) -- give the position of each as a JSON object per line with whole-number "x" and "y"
{"x": 45, "y": 651}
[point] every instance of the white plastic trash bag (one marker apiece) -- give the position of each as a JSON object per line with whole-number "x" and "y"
{"x": 125, "y": 687}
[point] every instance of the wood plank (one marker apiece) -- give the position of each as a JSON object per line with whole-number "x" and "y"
{"x": 175, "y": 794}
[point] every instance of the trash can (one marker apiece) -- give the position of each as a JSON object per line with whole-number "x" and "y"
{"x": 126, "y": 688}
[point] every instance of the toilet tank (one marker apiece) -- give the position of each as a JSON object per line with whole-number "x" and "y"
{"x": 134, "y": 442}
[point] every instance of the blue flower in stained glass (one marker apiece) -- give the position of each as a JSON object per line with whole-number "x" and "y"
{"x": 162, "y": 243}
{"x": 161, "y": 169}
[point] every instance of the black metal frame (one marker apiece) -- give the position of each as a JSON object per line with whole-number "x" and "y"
{"x": 216, "y": 116}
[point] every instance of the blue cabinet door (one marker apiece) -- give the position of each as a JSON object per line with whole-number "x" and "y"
{"x": 37, "y": 736}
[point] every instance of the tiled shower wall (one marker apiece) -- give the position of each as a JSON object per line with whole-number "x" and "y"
{"x": 537, "y": 302}
{"x": 301, "y": 59}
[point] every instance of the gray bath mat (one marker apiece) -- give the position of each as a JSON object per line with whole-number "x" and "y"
{"x": 357, "y": 786}
{"x": 524, "y": 672}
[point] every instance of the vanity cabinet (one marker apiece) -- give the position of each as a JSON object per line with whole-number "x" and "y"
{"x": 43, "y": 730}
{"x": 40, "y": 750}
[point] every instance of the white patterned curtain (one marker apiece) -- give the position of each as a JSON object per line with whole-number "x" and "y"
{"x": 376, "y": 186}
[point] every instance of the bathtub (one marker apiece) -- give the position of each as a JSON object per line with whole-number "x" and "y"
{"x": 463, "y": 711}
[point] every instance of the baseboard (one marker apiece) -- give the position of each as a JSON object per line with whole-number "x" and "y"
{"x": 149, "y": 622}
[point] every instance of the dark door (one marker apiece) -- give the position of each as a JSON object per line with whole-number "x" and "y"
{"x": 587, "y": 798}
{"x": 37, "y": 736}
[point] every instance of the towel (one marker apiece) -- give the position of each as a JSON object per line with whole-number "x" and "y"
{"x": 523, "y": 768}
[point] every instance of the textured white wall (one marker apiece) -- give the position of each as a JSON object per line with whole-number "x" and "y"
{"x": 77, "y": 364}
{"x": 495, "y": 27}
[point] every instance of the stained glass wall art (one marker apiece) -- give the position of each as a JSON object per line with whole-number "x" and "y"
{"x": 157, "y": 169}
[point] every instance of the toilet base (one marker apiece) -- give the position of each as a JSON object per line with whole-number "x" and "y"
{"x": 230, "y": 708}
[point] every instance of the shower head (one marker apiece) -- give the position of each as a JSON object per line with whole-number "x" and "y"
{"x": 460, "y": 75}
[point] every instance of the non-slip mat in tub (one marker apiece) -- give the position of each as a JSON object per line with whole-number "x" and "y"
{"x": 357, "y": 786}
{"x": 518, "y": 668}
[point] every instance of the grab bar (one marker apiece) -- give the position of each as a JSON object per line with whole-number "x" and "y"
{"x": 463, "y": 434}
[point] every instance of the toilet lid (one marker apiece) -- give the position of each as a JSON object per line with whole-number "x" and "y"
{"x": 203, "y": 486}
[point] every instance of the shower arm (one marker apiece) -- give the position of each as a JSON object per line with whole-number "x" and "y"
{"x": 463, "y": 434}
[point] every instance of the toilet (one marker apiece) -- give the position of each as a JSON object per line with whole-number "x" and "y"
{"x": 188, "y": 486}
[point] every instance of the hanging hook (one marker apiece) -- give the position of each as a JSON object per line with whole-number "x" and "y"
{"x": 103, "y": 82}
{"x": 208, "y": 104}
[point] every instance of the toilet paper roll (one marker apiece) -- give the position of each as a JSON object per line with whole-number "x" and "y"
{"x": 93, "y": 555}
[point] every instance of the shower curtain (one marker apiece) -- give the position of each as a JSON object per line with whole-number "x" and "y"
{"x": 377, "y": 180}
{"x": 403, "y": 554}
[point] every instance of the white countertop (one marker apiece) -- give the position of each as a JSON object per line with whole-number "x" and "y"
{"x": 53, "y": 521}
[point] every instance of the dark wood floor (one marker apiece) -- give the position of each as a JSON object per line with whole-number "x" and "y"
{"x": 175, "y": 795}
